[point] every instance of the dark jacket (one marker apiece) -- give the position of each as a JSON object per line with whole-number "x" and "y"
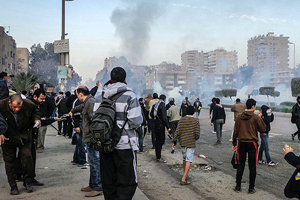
{"x": 62, "y": 106}
{"x": 26, "y": 117}
{"x": 267, "y": 119}
{"x": 4, "y": 93}
{"x": 218, "y": 113}
{"x": 41, "y": 110}
{"x": 3, "y": 125}
{"x": 197, "y": 107}
{"x": 246, "y": 127}
{"x": 161, "y": 118}
{"x": 86, "y": 110}
{"x": 212, "y": 105}
{"x": 183, "y": 108}
{"x": 145, "y": 115}
{"x": 296, "y": 112}
{"x": 77, "y": 118}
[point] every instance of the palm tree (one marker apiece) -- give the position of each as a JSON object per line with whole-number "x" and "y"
{"x": 23, "y": 81}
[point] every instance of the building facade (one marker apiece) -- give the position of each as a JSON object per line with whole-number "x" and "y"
{"x": 112, "y": 62}
{"x": 22, "y": 60}
{"x": 269, "y": 55}
{"x": 8, "y": 58}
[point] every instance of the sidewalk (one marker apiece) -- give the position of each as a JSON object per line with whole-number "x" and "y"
{"x": 54, "y": 168}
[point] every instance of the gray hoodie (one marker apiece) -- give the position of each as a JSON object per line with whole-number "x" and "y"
{"x": 127, "y": 106}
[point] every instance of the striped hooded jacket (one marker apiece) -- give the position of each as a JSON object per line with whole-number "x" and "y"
{"x": 127, "y": 106}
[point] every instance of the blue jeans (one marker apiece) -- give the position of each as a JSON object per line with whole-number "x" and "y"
{"x": 79, "y": 153}
{"x": 94, "y": 161}
{"x": 264, "y": 146}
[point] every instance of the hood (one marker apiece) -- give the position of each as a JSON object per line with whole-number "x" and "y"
{"x": 264, "y": 109}
{"x": 247, "y": 115}
{"x": 114, "y": 88}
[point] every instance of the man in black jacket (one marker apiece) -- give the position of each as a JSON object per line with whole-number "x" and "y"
{"x": 20, "y": 115}
{"x": 62, "y": 110}
{"x": 4, "y": 93}
{"x": 38, "y": 98}
{"x": 159, "y": 114}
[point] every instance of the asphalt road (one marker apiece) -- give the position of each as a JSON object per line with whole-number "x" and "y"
{"x": 270, "y": 179}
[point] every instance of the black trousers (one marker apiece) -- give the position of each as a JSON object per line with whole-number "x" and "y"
{"x": 9, "y": 156}
{"x": 245, "y": 148}
{"x": 160, "y": 138}
{"x": 119, "y": 174}
{"x": 288, "y": 190}
{"x": 19, "y": 165}
{"x": 151, "y": 128}
{"x": 298, "y": 127}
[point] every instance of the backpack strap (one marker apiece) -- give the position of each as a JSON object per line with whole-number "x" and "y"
{"x": 117, "y": 95}
{"x": 114, "y": 98}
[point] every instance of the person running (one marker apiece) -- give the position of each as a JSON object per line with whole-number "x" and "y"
{"x": 245, "y": 139}
{"x": 188, "y": 132}
{"x": 268, "y": 117}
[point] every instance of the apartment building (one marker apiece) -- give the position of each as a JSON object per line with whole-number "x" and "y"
{"x": 112, "y": 62}
{"x": 7, "y": 52}
{"x": 269, "y": 55}
{"x": 22, "y": 60}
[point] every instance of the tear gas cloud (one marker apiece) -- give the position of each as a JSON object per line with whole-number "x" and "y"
{"x": 133, "y": 26}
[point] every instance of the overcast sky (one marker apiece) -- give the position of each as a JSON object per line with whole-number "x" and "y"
{"x": 149, "y": 32}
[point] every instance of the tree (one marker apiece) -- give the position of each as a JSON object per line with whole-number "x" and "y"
{"x": 229, "y": 93}
{"x": 44, "y": 62}
{"x": 218, "y": 93}
{"x": 295, "y": 87}
{"x": 266, "y": 91}
{"x": 275, "y": 94}
{"x": 23, "y": 81}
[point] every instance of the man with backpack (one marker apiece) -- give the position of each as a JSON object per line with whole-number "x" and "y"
{"x": 119, "y": 167}
{"x": 86, "y": 109}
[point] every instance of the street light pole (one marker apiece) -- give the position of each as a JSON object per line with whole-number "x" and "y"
{"x": 64, "y": 57}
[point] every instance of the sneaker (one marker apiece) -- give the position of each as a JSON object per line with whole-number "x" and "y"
{"x": 14, "y": 190}
{"x": 161, "y": 160}
{"x": 272, "y": 164}
{"x": 230, "y": 140}
{"x": 94, "y": 193}
{"x": 28, "y": 187}
{"x": 251, "y": 191}
{"x": 237, "y": 188}
{"x": 293, "y": 137}
{"x": 261, "y": 162}
{"x": 86, "y": 189}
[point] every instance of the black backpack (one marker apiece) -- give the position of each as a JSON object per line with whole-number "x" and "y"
{"x": 105, "y": 134}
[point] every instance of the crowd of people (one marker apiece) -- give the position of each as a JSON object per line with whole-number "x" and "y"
{"x": 24, "y": 120}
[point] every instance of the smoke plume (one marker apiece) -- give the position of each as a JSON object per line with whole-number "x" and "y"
{"x": 133, "y": 26}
